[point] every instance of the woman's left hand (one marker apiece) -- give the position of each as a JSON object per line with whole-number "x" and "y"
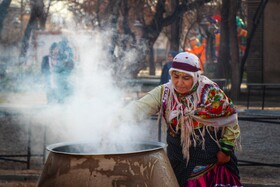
{"x": 222, "y": 158}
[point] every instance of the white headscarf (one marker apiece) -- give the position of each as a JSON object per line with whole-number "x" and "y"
{"x": 188, "y": 63}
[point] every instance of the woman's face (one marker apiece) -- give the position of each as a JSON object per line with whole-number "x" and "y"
{"x": 182, "y": 82}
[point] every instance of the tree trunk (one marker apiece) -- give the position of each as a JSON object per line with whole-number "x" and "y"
{"x": 175, "y": 35}
{"x": 234, "y": 50}
{"x": 152, "y": 62}
{"x": 222, "y": 70}
{"x": 37, "y": 20}
{"x": 175, "y": 31}
{"x": 114, "y": 8}
{"x": 3, "y": 12}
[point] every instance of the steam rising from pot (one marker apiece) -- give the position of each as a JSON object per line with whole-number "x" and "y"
{"x": 92, "y": 112}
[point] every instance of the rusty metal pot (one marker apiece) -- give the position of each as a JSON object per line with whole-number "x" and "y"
{"x": 70, "y": 164}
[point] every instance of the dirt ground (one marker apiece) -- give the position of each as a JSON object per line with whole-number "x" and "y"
{"x": 259, "y": 158}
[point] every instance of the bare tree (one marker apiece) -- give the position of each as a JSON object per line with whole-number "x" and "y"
{"x": 37, "y": 20}
{"x": 234, "y": 49}
{"x": 160, "y": 20}
{"x": 3, "y": 12}
{"x": 173, "y": 30}
{"x": 223, "y": 68}
{"x": 139, "y": 24}
{"x": 228, "y": 59}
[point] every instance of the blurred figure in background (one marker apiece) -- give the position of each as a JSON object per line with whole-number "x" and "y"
{"x": 165, "y": 76}
{"x": 242, "y": 35}
{"x": 199, "y": 50}
{"x": 56, "y": 69}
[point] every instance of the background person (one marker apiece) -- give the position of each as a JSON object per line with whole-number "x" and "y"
{"x": 199, "y": 49}
{"x": 165, "y": 76}
{"x": 202, "y": 126}
{"x": 56, "y": 68}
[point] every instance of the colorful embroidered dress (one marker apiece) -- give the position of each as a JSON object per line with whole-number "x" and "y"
{"x": 209, "y": 125}
{"x": 201, "y": 125}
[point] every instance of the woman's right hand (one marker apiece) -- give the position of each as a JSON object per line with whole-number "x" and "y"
{"x": 222, "y": 158}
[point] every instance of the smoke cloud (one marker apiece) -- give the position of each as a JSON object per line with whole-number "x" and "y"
{"x": 92, "y": 112}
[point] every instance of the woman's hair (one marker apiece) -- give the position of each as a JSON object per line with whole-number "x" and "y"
{"x": 172, "y": 53}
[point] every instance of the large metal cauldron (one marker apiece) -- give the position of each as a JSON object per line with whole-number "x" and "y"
{"x": 143, "y": 164}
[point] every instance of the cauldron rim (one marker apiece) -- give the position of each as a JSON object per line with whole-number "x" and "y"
{"x": 51, "y": 147}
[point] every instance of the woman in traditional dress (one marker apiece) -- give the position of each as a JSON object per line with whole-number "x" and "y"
{"x": 202, "y": 126}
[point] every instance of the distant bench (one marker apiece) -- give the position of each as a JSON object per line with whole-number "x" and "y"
{"x": 266, "y": 116}
{"x": 262, "y": 87}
